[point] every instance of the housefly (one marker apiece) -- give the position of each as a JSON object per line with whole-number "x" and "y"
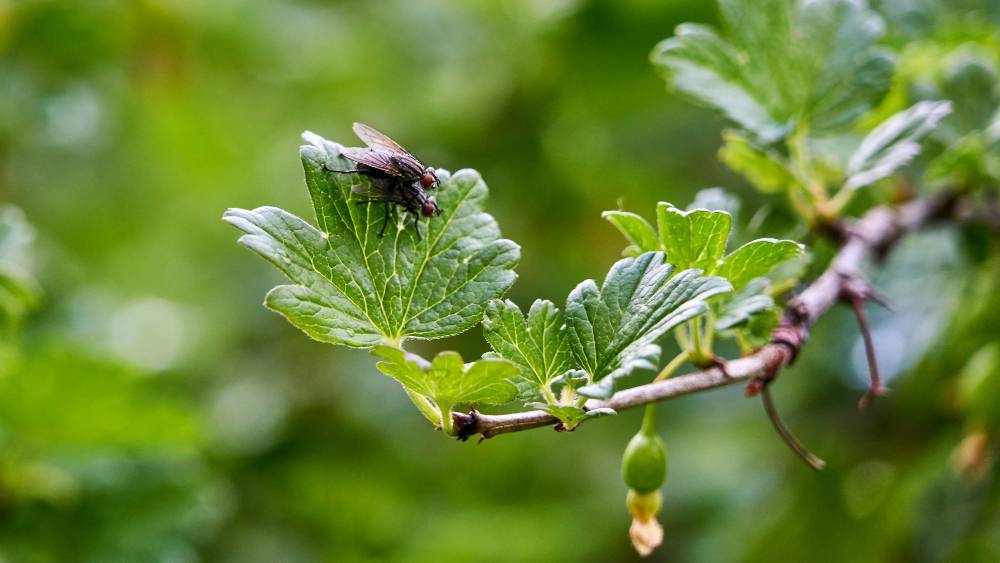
{"x": 397, "y": 178}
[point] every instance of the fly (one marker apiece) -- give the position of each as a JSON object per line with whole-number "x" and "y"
{"x": 397, "y": 178}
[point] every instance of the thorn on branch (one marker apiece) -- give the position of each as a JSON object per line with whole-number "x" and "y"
{"x": 881, "y": 298}
{"x": 786, "y": 435}
{"x": 856, "y": 292}
{"x": 755, "y": 386}
{"x": 466, "y": 425}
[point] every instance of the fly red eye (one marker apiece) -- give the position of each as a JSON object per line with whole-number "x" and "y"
{"x": 429, "y": 208}
{"x": 428, "y": 180}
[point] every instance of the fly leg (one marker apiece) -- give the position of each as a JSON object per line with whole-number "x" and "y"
{"x": 328, "y": 169}
{"x": 385, "y": 221}
{"x": 416, "y": 226}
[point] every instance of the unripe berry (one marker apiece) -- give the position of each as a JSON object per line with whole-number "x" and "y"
{"x": 644, "y": 465}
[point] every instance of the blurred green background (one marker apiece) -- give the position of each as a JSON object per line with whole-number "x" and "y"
{"x": 153, "y": 410}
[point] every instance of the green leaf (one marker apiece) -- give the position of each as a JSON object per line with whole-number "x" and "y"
{"x": 570, "y": 415}
{"x": 352, "y": 287}
{"x": 762, "y": 168}
{"x": 706, "y": 68}
{"x": 756, "y": 258}
{"x": 574, "y": 379}
{"x": 971, "y": 160}
{"x": 613, "y": 329}
{"x": 636, "y": 230}
{"x": 693, "y": 239}
{"x": 757, "y": 330}
{"x": 744, "y": 304}
{"x": 970, "y": 83}
{"x": 537, "y": 345}
{"x": 447, "y": 381}
{"x": 893, "y": 144}
{"x": 815, "y": 64}
{"x": 846, "y": 73}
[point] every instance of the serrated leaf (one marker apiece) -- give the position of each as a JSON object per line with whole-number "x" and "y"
{"x": 354, "y": 288}
{"x": 574, "y": 379}
{"x": 755, "y": 259}
{"x": 816, "y": 63}
{"x": 893, "y": 144}
{"x": 636, "y": 230}
{"x": 693, "y": 239}
{"x": 613, "y": 329}
{"x": 745, "y": 303}
{"x": 570, "y": 415}
{"x": 447, "y": 380}
{"x": 760, "y": 167}
{"x": 537, "y": 345}
{"x": 705, "y": 67}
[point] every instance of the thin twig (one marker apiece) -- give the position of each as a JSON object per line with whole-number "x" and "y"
{"x": 875, "y": 389}
{"x": 786, "y": 434}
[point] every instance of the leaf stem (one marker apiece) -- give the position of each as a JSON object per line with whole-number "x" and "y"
{"x": 649, "y": 420}
{"x": 695, "y": 326}
{"x": 745, "y": 346}
{"x": 778, "y": 289}
{"x": 550, "y": 398}
{"x": 798, "y": 148}
{"x": 682, "y": 338}
{"x": 672, "y": 366}
{"x": 567, "y": 395}
{"x": 709, "y": 333}
{"x": 446, "y": 422}
{"x": 839, "y": 201}
{"x": 424, "y": 405}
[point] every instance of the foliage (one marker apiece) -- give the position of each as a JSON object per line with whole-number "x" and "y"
{"x": 782, "y": 65}
{"x": 447, "y": 381}
{"x": 356, "y": 288}
{"x": 536, "y": 344}
{"x": 893, "y": 144}
{"x": 791, "y": 76}
{"x": 697, "y": 238}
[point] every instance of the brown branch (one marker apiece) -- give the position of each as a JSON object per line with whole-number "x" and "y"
{"x": 862, "y": 241}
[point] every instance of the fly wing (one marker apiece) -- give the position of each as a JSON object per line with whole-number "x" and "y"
{"x": 378, "y": 189}
{"x": 402, "y": 166}
{"x": 377, "y": 159}
{"x": 377, "y": 139}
